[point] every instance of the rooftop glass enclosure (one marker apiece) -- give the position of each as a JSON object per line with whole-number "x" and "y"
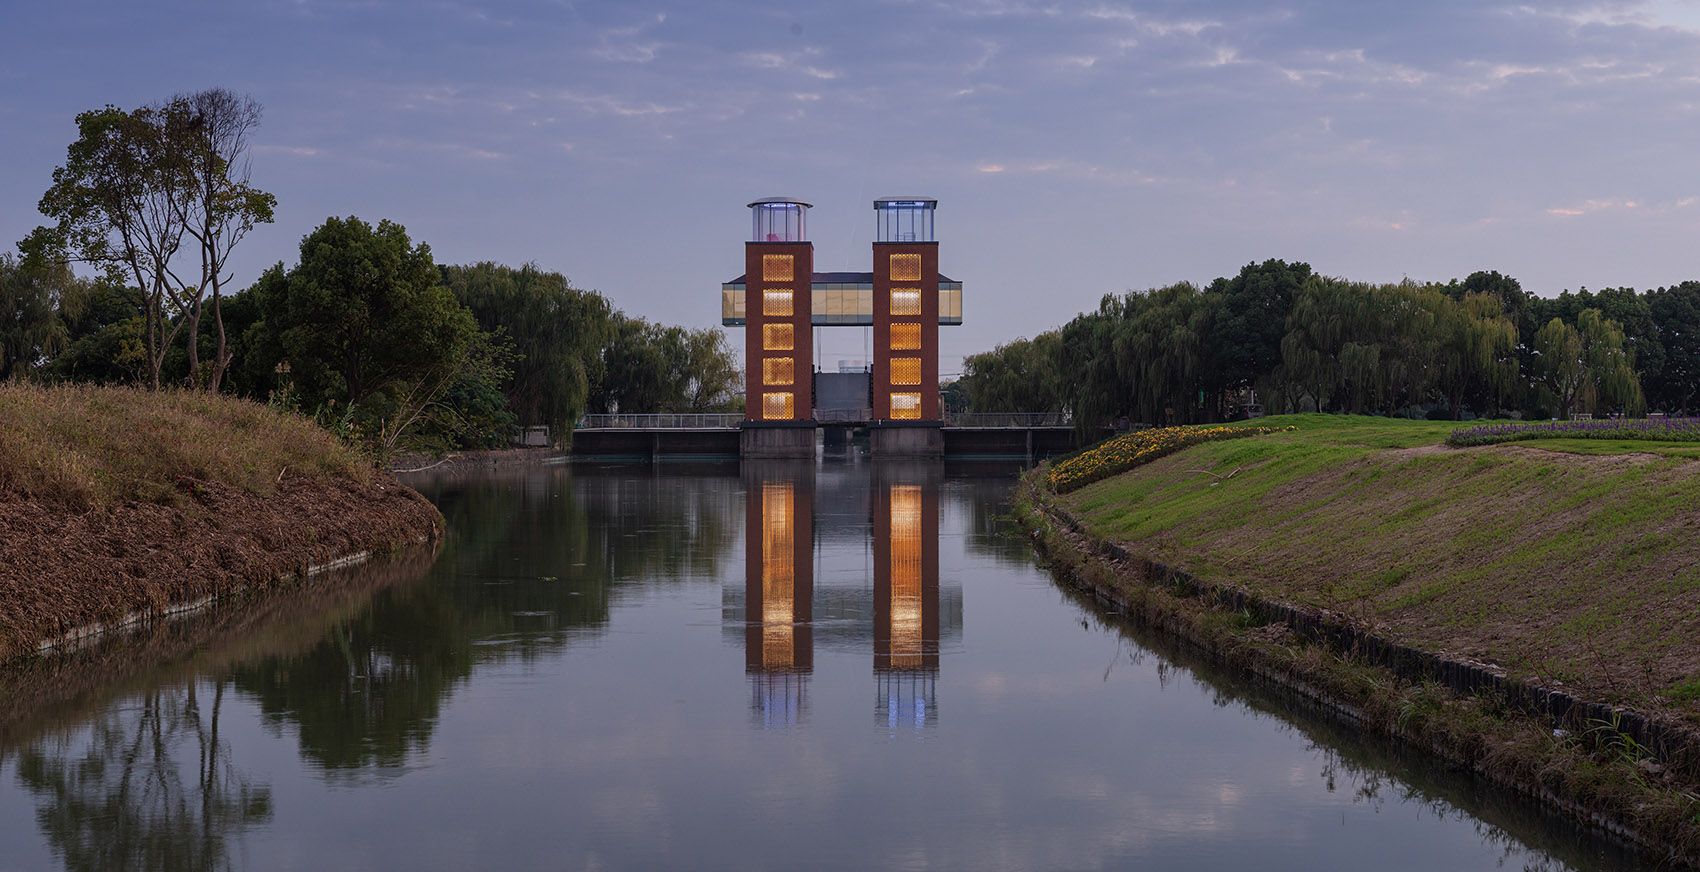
{"x": 779, "y": 219}
{"x": 904, "y": 219}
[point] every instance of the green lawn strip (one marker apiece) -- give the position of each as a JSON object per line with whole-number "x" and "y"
{"x": 1502, "y": 551}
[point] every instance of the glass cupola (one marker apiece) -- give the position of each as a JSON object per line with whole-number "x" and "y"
{"x": 779, "y": 219}
{"x": 904, "y": 219}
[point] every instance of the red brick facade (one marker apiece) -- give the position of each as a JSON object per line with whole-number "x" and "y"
{"x": 925, "y": 281}
{"x": 759, "y": 262}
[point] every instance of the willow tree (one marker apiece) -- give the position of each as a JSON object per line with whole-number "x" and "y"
{"x": 1586, "y": 365}
{"x": 557, "y": 331}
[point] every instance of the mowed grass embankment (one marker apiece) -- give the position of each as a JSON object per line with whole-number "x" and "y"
{"x": 86, "y": 447}
{"x": 1572, "y": 563}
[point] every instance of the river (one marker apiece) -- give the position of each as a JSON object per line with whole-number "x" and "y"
{"x": 842, "y": 665}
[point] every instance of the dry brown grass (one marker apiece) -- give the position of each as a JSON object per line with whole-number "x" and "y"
{"x": 89, "y": 447}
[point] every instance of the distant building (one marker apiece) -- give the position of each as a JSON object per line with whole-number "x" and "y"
{"x": 780, "y": 297}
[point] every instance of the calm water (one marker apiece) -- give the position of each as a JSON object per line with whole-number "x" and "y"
{"x": 849, "y": 666}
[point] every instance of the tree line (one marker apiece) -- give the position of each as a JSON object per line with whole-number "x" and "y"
{"x": 366, "y": 331}
{"x": 1281, "y": 337}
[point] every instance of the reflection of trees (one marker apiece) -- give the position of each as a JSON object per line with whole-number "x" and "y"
{"x": 532, "y": 562}
{"x": 114, "y": 795}
{"x": 370, "y": 690}
{"x": 989, "y": 527}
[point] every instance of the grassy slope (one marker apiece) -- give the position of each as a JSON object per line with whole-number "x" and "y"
{"x": 92, "y": 447}
{"x": 1573, "y": 562}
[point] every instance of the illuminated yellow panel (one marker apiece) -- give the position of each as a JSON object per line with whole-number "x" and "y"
{"x": 777, "y": 268}
{"x": 778, "y": 575}
{"x": 779, "y": 371}
{"x": 778, "y": 337}
{"x": 905, "y": 267}
{"x": 906, "y": 370}
{"x": 950, "y": 304}
{"x": 906, "y": 407}
{"x": 777, "y": 407}
{"x": 776, "y": 303}
{"x": 907, "y": 641}
{"x": 905, "y": 337}
{"x": 905, "y": 301}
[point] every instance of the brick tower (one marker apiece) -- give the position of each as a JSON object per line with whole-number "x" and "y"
{"x": 779, "y": 261}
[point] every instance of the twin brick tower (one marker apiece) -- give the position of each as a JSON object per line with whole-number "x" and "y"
{"x": 780, "y": 298}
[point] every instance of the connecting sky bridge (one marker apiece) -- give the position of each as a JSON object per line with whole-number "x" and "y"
{"x": 790, "y": 407}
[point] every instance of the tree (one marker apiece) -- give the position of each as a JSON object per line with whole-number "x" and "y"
{"x": 363, "y": 321}
{"x": 1676, "y": 313}
{"x": 558, "y": 333}
{"x": 1019, "y": 376}
{"x": 1478, "y": 348}
{"x": 1248, "y": 333}
{"x": 36, "y": 300}
{"x": 653, "y": 368}
{"x": 120, "y": 201}
{"x": 134, "y": 185}
{"x": 211, "y": 129}
{"x": 1586, "y": 365}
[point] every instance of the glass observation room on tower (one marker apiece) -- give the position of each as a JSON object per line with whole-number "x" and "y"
{"x": 780, "y": 219}
{"x": 904, "y": 219}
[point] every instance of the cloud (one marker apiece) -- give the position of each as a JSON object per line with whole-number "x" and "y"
{"x": 297, "y": 150}
{"x": 607, "y": 103}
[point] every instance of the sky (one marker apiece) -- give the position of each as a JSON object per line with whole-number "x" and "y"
{"x": 1075, "y": 148}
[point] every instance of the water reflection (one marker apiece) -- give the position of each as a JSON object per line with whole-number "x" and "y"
{"x": 895, "y": 606}
{"x": 779, "y": 591}
{"x": 586, "y": 676}
{"x": 906, "y": 594}
{"x": 145, "y": 785}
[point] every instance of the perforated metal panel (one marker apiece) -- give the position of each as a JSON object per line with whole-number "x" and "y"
{"x": 906, "y": 337}
{"x": 905, "y": 267}
{"x": 779, "y": 268}
{"x": 779, "y": 371}
{"x": 781, "y": 337}
{"x": 777, "y": 407}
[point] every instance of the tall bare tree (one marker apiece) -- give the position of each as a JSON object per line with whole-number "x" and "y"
{"x": 212, "y": 135}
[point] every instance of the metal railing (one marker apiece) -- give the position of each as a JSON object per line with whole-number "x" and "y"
{"x": 709, "y": 420}
{"x": 1008, "y": 419}
{"x": 661, "y": 421}
{"x": 844, "y": 416}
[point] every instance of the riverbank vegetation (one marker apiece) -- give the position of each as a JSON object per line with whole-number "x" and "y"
{"x": 1580, "y": 570}
{"x": 1280, "y": 337}
{"x": 366, "y": 333}
{"x": 119, "y": 503}
{"x": 1577, "y": 572}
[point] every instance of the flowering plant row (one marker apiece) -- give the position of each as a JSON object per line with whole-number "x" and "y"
{"x": 1142, "y": 446}
{"x": 1652, "y": 429}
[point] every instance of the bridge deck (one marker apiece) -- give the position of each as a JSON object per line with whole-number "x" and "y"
{"x": 722, "y": 442}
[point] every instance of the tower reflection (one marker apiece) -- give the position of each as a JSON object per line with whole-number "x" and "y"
{"x": 835, "y": 557}
{"x": 906, "y": 593}
{"x": 779, "y": 590}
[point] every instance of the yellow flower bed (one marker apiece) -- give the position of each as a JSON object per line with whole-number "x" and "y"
{"x": 1141, "y": 446}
